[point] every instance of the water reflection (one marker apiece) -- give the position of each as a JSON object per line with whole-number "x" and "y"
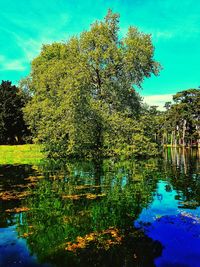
{"x": 13, "y": 184}
{"x": 181, "y": 167}
{"x": 88, "y": 206}
{"x": 102, "y": 213}
{"x": 173, "y": 217}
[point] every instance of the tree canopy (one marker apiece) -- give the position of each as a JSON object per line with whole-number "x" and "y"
{"x": 12, "y": 125}
{"x": 179, "y": 125}
{"x": 84, "y": 98}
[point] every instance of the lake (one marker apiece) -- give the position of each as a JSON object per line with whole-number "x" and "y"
{"x": 102, "y": 213}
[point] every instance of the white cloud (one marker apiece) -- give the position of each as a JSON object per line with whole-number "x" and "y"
{"x": 30, "y": 47}
{"x": 9, "y": 64}
{"x": 14, "y": 65}
{"x": 157, "y": 100}
{"x": 162, "y": 34}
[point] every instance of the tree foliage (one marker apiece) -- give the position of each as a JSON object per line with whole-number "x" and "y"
{"x": 83, "y": 90}
{"x": 180, "y": 124}
{"x": 12, "y": 126}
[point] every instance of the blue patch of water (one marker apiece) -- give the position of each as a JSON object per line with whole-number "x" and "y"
{"x": 14, "y": 251}
{"x": 177, "y": 229}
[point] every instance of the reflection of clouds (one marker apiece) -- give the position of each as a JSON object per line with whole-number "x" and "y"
{"x": 164, "y": 203}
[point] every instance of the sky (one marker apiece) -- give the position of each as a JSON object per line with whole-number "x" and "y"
{"x": 174, "y": 25}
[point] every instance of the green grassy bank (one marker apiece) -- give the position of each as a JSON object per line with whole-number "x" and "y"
{"x": 20, "y": 154}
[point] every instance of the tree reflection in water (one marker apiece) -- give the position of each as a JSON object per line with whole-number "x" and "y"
{"x": 82, "y": 214}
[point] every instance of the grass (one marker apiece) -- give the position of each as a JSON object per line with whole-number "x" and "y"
{"x": 21, "y": 154}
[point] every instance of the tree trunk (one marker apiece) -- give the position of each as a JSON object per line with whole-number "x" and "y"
{"x": 184, "y": 129}
{"x": 198, "y": 138}
{"x": 171, "y": 138}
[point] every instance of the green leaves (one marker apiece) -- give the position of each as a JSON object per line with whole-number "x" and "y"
{"x": 182, "y": 118}
{"x": 79, "y": 86}
{"x": 12, "y": 127}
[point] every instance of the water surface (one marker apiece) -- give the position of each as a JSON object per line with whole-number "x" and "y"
{"x": 103, "y": 213}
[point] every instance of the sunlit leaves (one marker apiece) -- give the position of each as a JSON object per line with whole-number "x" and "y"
{"x": 80, "y": 85}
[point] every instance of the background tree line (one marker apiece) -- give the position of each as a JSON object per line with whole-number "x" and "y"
{"x": 179, "y": 125}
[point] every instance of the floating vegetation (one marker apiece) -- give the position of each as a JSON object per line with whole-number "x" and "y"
{"x": 104, "y": 239}
{"x": 88, "y": 186}
{"x": 24, "y": 185}
{"x": 13, "y": 195}
{"x": 25, "y": 235}
{"x": 18, "y": 210}
{"x": 33, "y": 178}
{"x": 87, "y": 196}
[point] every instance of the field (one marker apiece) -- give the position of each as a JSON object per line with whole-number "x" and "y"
{"x": 20, "y": 154}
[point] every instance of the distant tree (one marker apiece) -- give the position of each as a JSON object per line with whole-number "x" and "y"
{"x": 167, "y": 105}
{"x": 182, "y": 118}
{"x": 12, "y": 125}
{"x": 152, "y": 119}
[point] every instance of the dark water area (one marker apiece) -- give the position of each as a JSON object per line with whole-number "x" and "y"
{"x": 102, "y": 213}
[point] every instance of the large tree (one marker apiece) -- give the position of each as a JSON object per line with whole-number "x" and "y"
{"x": 12, "y": 125}
{"x": 80, "y": 88}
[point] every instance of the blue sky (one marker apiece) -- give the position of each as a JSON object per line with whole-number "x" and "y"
{"x": 175, "y": 27}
